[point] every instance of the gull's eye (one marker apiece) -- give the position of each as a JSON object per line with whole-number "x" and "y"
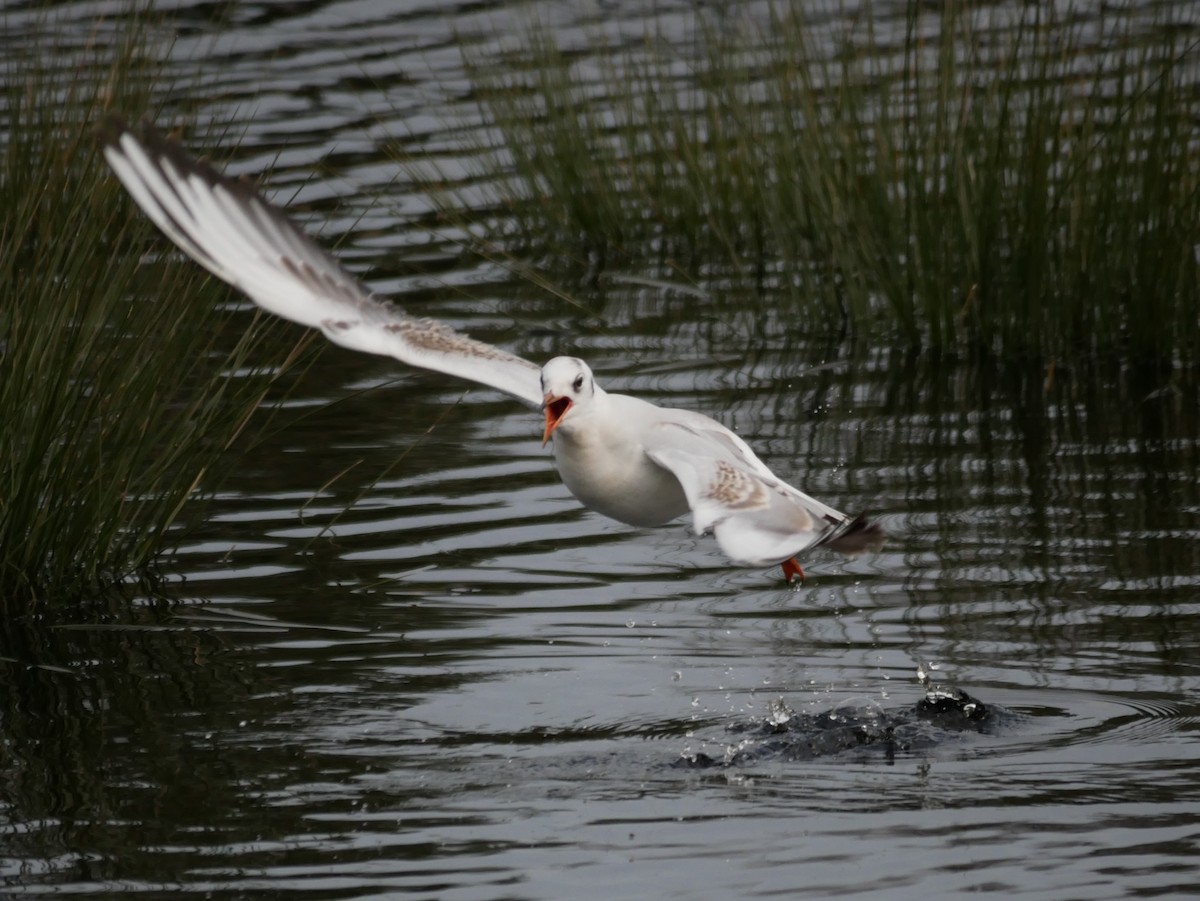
{"x": 578, "y": 383}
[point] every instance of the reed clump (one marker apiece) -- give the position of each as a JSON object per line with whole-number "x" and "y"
{"x": 123, "y": 380}
{"x": 1023, "y": 185}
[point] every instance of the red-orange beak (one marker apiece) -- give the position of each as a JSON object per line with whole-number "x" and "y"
{"x": 556, "y": 408}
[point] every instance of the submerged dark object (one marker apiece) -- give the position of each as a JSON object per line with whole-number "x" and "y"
{"x": 940, "y": 716}
{"x": 953, "y": 707}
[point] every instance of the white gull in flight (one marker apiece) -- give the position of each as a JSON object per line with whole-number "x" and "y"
{"x": 623, "y": 457}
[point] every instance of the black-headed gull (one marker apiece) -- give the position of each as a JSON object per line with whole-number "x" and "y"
{"x": 623, "y": 457}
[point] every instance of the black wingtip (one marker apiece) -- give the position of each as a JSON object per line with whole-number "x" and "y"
{"x": 168, "y": 147}
{"x": 856, "y": 535}
{"x": 113, "y": 126}
{"x": 110, "y": 128}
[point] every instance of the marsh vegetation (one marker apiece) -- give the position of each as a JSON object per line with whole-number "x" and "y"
{"x": 1021, "y": 180}
{"x": 126, "y": 376}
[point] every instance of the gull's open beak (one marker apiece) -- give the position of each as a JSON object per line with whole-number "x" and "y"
{"x": 556, "y": 408}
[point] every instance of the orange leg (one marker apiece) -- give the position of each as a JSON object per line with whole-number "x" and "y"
{"x": 792, "y": 571}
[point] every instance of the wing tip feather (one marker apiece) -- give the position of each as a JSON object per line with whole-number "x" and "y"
{"x": 856, "y": 535}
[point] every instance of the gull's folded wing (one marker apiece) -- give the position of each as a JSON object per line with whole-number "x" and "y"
{"x": 757, "y": 518}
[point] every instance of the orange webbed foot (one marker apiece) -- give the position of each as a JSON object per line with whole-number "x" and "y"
{"x": 792, "y": 571}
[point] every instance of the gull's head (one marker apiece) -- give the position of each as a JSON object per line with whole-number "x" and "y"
{"x": 567, "y": 383}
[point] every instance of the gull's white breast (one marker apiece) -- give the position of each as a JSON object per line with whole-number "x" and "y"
{"x": 601, "y": 458}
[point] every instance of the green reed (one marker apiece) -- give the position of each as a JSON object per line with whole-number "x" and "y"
{"x": 124, "y": 378}
{"x": 1019, "y": 186}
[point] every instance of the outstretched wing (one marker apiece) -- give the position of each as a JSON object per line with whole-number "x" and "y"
{"x": 233, "y": 232}
{"x": 757, "y": 518}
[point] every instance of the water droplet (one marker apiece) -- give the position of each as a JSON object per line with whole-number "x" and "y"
{"x": 778, "y": 714}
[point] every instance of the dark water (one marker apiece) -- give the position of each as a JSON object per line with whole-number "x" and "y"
{"x": 464, "y": 686}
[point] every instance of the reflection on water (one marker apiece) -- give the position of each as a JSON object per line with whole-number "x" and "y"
{"x": 464, "y": 686}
